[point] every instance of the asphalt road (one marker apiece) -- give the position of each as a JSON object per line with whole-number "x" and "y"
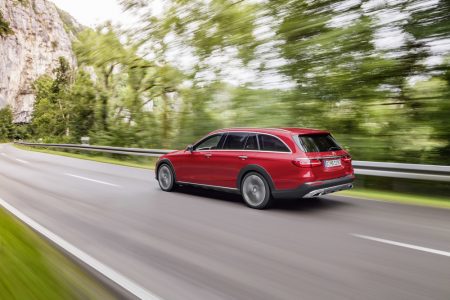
{"x": 200, "y": 244}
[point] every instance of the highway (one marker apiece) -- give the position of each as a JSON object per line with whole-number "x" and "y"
{"x": 201, "y": 244}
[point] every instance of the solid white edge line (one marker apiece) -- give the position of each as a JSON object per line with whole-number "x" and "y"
{"x": 92, "y": 180}
{"x": 21, "y": 161}
{"x": 106, "y": 271}
{"x": 410, "y": 246}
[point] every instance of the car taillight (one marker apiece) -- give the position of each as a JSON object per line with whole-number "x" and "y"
{"x": 347, "y": 158}
{"x": 307, "y": 163}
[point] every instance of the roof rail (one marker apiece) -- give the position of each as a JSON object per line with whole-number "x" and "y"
{"x": 260, "y": 128}
{"x": 279, "y": 129}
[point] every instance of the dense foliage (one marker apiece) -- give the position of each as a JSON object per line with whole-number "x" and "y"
{"x": 375, "y": 73}
{"x": 65, "y": 105}
{"x": 6, "y": 124}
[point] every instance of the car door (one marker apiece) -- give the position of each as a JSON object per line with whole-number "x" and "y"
{"x": 275, "y": 157}
{"x": 196, "y": 165}
{"x": 228, "y": 161}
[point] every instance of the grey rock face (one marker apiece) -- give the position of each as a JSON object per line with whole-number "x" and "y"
{"x": 39, "y": 39}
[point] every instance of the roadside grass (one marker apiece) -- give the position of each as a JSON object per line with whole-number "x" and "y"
{"x": 30, "y": 268}
{"x": 434, "y": 201}
{"x": 142, "y": 162}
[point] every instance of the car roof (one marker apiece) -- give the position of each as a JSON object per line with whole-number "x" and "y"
{"x": 276, "y": 131}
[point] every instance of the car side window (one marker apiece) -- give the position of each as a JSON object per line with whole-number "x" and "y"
{"x": 235, "y": 141}
{"x": 209, "y": 143}
{"x": 252, "y": 143}
{"x": 271, "y": 143}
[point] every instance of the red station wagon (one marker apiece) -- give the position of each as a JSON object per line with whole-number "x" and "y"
{"x": 261, "y": 164}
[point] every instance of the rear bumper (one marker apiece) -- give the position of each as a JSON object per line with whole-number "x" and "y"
{"x": 317, "y": 188}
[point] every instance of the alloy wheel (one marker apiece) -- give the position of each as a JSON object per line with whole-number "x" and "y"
{"x": 165, "y": 177}
{"x": 254, "y": 190}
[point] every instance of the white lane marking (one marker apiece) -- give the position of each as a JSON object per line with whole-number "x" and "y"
{"x": 106, "y": 271}
{"x": 92, "y": 180}
{"x": 410, "y": 246}
{"x": 17, "y": 159}
{"x": 21, "y": 161}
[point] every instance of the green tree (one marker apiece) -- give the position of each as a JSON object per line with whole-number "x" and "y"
{"x": 46, "y": 121}
{"x": 132, "y": 91}
{"x": 82, "y": 98}
{"x": 6, "y": 124}
{"x": 429, "y": 25}
{"x": 211, "y": 29}
{"x": 52, "y": 109}
{"x": 64, "y": 107}
{"x": 102, "y": 50}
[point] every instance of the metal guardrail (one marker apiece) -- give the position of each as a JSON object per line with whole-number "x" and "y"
{"x": 400, "y": 170}
{"x": 104, "y": 149}
{"x": 382, "y": 169}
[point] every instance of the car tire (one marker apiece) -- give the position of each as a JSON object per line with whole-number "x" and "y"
{"x": 166, "y": 178}
{"x": 256, "y": 191}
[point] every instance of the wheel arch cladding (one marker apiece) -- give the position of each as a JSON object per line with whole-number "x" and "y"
{"x": 167, "y": 162}
{"x": 257, "y": 169}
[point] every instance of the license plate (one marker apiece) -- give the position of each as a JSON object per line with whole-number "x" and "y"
{"x": 332, "y": 163}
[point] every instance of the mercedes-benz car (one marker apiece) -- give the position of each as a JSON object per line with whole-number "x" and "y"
{"x": 261, "y": 164}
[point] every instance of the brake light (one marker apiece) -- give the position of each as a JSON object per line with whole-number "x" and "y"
{"x": 347, "y": 159}
{"x": 306, "y": 162}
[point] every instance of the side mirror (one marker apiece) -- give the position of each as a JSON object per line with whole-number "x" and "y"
{"x": 190, "y": 148}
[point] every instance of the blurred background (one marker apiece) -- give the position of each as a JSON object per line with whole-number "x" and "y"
{"x": 162, "y": 74}
{"x": 375, "y": 73}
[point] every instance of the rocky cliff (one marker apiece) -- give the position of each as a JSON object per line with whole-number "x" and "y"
{"x": 36, "y": 39}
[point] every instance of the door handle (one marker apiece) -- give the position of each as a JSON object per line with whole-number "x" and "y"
{"x": 208, "y": 155}
{"x": 242, "y": 157}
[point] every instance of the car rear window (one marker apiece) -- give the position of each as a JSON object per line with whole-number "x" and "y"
{"x": 318, "y": 143}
